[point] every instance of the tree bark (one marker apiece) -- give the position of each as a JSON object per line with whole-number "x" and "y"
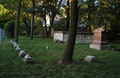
{"x": 42, "y": 30}
{"x": 32, "y": 21}
{"x": 46, "y": 32}
{"x": 16, "y": 32}
{"x": 26, "y": 29}
{"x": 89, "y": 19}
{"x": 68, "y": 51}
{"x": 67, "y": 10}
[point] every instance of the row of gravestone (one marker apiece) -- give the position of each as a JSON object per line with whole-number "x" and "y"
{"x": 2, "y": 33}
{"x": 22, "y": 53}
{"x": 28, "y": 59}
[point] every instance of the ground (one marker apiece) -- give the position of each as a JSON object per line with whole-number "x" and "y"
{"x": 46, "y": 60}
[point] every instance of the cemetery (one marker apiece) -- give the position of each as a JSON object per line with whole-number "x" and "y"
{"x": 60, "y": 39}
{"x": 44, "y": 60}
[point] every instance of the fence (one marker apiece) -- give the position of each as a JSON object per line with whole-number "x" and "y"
{"x": 2, "y": 33}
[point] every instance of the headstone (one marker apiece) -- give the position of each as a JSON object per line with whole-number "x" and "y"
{"x": 22, "y": 53}
{"x": 11, "y": 41}
{"x": 17, "y": 49}
{"x": 16, "y": 45}
{"x": 46, "y": 47}
{"x": 100, "y": 40}
{"x": 90, "y": 58}
{"x": 27, "y": 59}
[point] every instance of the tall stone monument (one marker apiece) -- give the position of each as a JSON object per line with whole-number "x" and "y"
{"x": 100, "y": 40}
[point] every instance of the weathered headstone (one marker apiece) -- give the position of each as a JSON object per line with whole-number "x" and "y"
{"x": 90, "y": 58}
{"x": 100, "y": 40}
{"x": 46, "y": 47}
{"x": 16, "y": 45}
{"x": 27, "y": 59}
{"x": 1, "y": 34}
{"x": 17, "y": 49}
{"x": 11, "y": 41}
{"x": 22, "y": 53}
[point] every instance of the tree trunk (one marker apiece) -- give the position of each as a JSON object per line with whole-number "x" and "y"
{"x": 67, "y": 10}
{"x": 89, "y": 19}
{"x": 17, "y": 22}
{"x": 42, "y": 30}
{"x": 68, "y": 51}
{"x": 51, "y": 23}
{"x": 26, "y": 29}
{"x": 46, "y": 32}
{"x": 32, "y": 21}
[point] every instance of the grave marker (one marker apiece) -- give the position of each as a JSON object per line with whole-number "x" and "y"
{"x": 100, "y": 40}
{"x": 27, "y": 59}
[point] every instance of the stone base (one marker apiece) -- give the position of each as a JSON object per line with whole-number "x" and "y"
{"x": 100, "y": 47}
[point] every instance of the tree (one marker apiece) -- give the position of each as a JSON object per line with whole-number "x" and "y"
{"x": 32, "y": 21}
{"x": 67, "y": 10}
{"x": 17, "y": 22}
{"x": 68, "y": 51}
{"x": 53, "y": 7}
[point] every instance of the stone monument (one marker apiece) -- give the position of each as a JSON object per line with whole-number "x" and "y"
{"x": 17, "y": 49}
{"x": 90, "y": 58}
{"x": 27, "y": 59}
{"x": 22, "y": 53}
{"x": 100, "y": 40}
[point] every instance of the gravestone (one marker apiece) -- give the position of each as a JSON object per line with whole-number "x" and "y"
{"x": 46, "y": 47}
{"x": 1, "y": 34}
{"x": 17, "y": 49}
{"x": 16, "y": 45}
{"x": 90, "y": 58}
{"x": 100, "y": 40}
{"x": 27, "y": 59}
{"x": 22, "y": 53}
{"x": 11, "y": 41}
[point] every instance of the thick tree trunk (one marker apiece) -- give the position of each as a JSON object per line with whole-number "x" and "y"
{"x": 32, "y": 22}
{"x": 17, "y": 22}
{"x": 67, "y": 10}
{"x": 68, "y": 51}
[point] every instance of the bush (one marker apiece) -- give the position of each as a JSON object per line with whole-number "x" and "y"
{"x": 114, "y": 30}
{"x": 9, "y": 29}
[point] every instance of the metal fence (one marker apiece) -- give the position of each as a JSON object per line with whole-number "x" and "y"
{"x": 2, "y": 33}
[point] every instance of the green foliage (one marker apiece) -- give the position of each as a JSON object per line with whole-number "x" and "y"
{"x": 60, "y": 25}
{"x": 9, "y": 29}
{"x": 45, "y": 61}
{"x": 114, "y": 30}
{"x": 22, "y": 28}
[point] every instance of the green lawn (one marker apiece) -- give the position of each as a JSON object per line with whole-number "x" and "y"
{"x": 45, "y": 61}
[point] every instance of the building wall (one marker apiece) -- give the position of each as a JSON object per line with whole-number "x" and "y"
{"x": 81, "y": 37}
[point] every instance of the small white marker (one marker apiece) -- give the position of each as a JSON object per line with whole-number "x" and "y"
{"x": 46, "y": 47}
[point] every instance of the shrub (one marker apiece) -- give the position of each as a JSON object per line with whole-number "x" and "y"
{"x": 114, "y": 30}
{"x": 9, "y": 29}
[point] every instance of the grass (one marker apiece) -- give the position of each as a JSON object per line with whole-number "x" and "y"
{"x": 45, "y": 61}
